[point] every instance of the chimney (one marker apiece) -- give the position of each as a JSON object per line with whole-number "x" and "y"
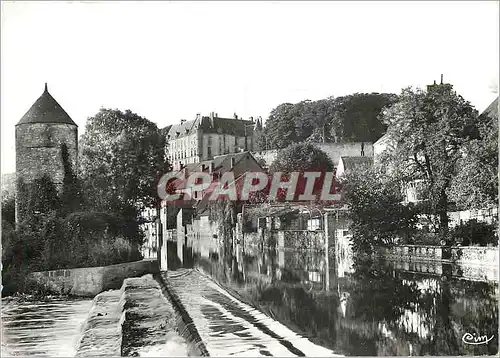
{"x": 233, "y": 162}
{"x": 183, "y": 121}
{"x": 198, "y": 116}
{"x": 434, "y": 82}
{"x": 441, "y": 78}
{"x": 235, "y": 116}
{"x": 216, "y": 115}
{"x": 251, "y": 118}
{"x": 212, "y": 167}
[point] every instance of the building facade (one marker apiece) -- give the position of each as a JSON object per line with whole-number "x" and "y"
{"x": 206, "y": 137}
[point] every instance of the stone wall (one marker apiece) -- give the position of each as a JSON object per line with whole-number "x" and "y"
{"x": 334, "y": 151}
{"x": 90, "y": 281}
{"x": 38, "y": 150}
{"x": 458, "y": 254}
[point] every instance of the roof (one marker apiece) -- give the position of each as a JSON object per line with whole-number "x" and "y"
{"x": 212, "y": 124}
{"x": 46, "y": 110}
{"x": 492, "y": 109}
{"x": 382, "y": 139}
{"x": 165, "y": 130}
{"x": 354, "y": 162}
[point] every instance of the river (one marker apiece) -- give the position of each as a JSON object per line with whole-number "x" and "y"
{"x": 50, "y": 327}
{"x": 375, "y": 308}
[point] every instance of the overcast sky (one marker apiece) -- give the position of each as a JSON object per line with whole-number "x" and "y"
{"x": 171, "y": 60}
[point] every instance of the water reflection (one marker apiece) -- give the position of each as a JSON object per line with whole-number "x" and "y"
{"x": 355, "y": 308}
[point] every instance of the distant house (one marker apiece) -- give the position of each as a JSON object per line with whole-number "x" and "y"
{"x": 352, "y": 163}
{"x": 206, "y": 137}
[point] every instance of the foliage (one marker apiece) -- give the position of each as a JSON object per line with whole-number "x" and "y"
{"x": 259, "y": 135}
{"x": 122, "y": 158}
{"x": 376, "y": 212}
{"x": 42, "y": 198}
{"x": 475, "y": 233}
{"x": 88, "y": 239}
{"x": 72, "y": 195}
{"x": 301, "y": 157}
{"x": 430, "y": 130}
{"x": 476, "y": 183}
{"x": 348, "y": 118}
{"x": 9, "y": 209}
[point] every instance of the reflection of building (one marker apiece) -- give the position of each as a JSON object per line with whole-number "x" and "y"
{"x": 206, "y": 137}
{"x": 149, "y": 227}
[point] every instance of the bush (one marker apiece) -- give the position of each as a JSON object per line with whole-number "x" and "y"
{"x": 86, "y": 239}
{"x": 474, "y": 233}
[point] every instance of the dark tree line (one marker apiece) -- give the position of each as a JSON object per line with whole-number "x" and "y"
{"x": 351, "y": 118}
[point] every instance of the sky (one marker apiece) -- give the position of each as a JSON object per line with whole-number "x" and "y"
{"x": 167, "y": 61}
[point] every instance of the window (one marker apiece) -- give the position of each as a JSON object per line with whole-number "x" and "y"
{"x": 313, "y": 224}
{"x": 209, "y": 152}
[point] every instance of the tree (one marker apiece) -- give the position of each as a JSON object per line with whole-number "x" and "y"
{"x": 430, "y": 130}
{"x": 476, "y": 183}
{"x": 348, "y": 118}
{"x": 356, "y": 117}
{"x": 280, "y": 127}
{"x": 300, "y": 157}
{"x": 122, "y": 158}
{"x": 376, "y": 212}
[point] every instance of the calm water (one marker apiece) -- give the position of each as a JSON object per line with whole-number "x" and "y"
{"x": 375, "y": 308}
{"x": 50, "y": 327}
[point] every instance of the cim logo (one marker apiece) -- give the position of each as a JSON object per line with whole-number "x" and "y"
{"x": 475, "y": 339}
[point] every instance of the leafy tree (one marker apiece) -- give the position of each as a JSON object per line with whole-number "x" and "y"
{"x": 376, "y": 212}
{"x": 476, "y": 183}
{"x": 280, "y": 127}
{"x": 356, "y": 117}
{"x": 430, "y": 130}
{"x": 300, "y": 157}
{"x": 348, "y": 118}
{"x": 259, "y": 135}
{"x": 122, "y": 158}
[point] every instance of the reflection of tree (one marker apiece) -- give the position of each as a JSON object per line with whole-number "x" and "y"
{"x": 377, "y": 294}
{"x": 444, "y": 339}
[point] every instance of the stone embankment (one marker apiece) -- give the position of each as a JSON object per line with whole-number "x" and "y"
{"x": 137, "y": 320}
{"x": 90, "y": 281}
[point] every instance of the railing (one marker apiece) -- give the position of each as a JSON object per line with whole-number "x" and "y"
{"x": 469, "y": 254}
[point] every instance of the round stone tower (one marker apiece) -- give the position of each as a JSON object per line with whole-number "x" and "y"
{"x": 39, "y": 136}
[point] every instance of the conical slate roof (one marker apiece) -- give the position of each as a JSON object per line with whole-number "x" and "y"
{"x": 46, "y": 110}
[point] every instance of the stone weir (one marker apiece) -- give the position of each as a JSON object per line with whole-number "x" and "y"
{"x": 136, "y": 320}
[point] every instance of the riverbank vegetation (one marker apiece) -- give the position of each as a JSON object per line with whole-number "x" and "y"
{"x": 439, "y": 140}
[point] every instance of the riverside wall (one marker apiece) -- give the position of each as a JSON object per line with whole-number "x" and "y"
{"x": 90, "y": 281}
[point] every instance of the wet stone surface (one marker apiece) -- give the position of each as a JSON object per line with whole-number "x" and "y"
{"x": 102, "y": 330}
{"x": 149, "y": 326}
